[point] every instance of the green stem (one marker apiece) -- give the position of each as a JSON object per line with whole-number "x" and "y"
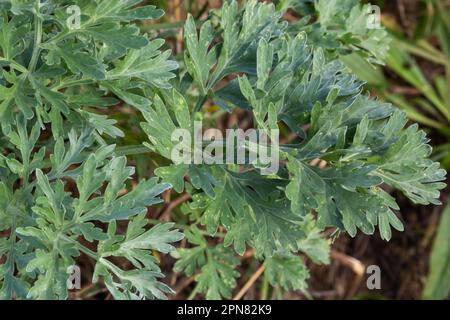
{"x": 82, "y": 248}
{"x": 58, "y": 37}
{"x": 48, "y": 292}
{"x": 184, "y": 227}
{"x": 15, "y": 65}
{"x": 265, "y": 287}
{"x": 132, "y": 150}
{"x": 10, "y": 269}
{"x": 193, "y": 293}
{"x": 37, "y": 37}
{"x": 116, "y": 270}
{"x": 200, "y": 103}
{"x": 72, "y": 83}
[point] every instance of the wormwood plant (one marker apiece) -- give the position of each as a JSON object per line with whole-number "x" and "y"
{"x": 54, "y": 138}
{"x": 63, "y": 181}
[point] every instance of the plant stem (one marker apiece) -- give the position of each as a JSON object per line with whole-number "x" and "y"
{"x": 37, "y": 37}
{"x": 10, "y": 267}
{"x": 200, "y": 103}
{"x": 15, "y": 65}
{"x": 132, "y": 150}
{"x": 82, "y": 248}
{"x": 265, "y": 287}
{"x": 184, "y": 227}
{"x": 193, "y": 293}
{"x": 72, "y": 83}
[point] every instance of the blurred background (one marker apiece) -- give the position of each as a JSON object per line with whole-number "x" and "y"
{"x": 415, "y": 264}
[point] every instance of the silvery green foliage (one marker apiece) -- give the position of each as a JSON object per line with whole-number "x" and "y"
{"x": 287, "y": 80}
{"x": 341, "y": 27}
{"x": 54, "y": 82}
